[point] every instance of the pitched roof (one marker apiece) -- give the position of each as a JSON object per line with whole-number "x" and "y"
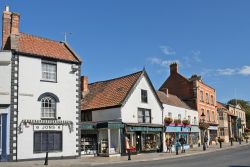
{"x": 42, "y": 47}
{"x": 109, "y": 93}
{"x": 221, "y": 106}
{"x": 171, "y": 100}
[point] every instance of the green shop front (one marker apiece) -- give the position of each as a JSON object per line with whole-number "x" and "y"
{"x": 144, "y": 137}
{"x": 109, "y": 139}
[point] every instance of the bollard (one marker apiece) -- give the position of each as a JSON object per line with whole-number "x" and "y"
{"x": 231, "y": 142}
{"x": 239, "y": 141}
{"x": 220, "y": 144}
{"x": 129, "y": 154}
{"x": 204, "y": 146}
{"x": 176, "y": 149}
{"x": 46, "y": 159}
{"x": 246, "y": 140}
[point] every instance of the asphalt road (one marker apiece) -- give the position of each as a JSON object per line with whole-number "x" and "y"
{"x": 237, "y": 157}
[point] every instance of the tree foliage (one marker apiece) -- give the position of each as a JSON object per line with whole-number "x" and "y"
{"x": 246, "y": 105}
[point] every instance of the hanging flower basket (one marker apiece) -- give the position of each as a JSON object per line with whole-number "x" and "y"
{"x": 168, "y": 120}
{"x": 185, "y": 122}
{"x": 177, "y": 121}
{"x": 203, "y": 125}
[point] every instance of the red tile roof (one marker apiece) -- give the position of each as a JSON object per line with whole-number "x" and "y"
{"x": 171, "y": 100}
{"x": 43, "y": 47}
{"x": 109, "y": 93}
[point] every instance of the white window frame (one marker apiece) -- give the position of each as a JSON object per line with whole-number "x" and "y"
{"x": 49, "y": 111}
{"x": 49, "y": 71}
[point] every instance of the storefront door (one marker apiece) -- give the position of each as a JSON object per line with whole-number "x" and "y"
{"x": 138, "y": 141}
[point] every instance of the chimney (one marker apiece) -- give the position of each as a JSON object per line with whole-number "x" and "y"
{"x": 173, "y": 68}
{"x": 166, "y": 92}
{"x": 10, "y": 25}
{"x": 85, "y": 84}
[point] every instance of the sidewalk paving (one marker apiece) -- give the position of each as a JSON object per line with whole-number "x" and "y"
{"x": 97, "y": 161}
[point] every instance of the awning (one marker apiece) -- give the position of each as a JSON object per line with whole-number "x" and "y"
{"x": 178, "y": 129}
{"x": 195, "y": 129}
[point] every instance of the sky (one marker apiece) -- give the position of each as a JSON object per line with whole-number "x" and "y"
{"x": 117, "y": 37}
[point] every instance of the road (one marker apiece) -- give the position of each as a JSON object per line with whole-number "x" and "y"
{"x": 237, "y": 157}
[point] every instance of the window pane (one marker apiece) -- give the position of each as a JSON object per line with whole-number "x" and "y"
{"x": 49, "y": 71}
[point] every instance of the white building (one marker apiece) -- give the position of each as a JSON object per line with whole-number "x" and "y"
{"x": 122, "y": 107}
{"x": 40, "y": 95}
{"x": 176, "y": 109}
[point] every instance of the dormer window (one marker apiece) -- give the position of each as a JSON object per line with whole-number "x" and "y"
{"x": 49, "y": 71}
{"x": 144, "y": 96}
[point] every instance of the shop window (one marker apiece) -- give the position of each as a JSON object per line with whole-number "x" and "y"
{"x": 86, "y": 116}
{"x": 189, "y": 118}
{"x": 144, "y": 96}
{"x": 49, "y": 71}
{"x": 201, "y": 96}
{"x": 47, "y": 141}
{"x": 150, "y": 141}
{"x": 144, "y": 115}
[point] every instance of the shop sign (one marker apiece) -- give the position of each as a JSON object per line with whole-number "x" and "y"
{"x": 146, "y": 129}
{"x": 47, "y": 127}
{"x": 212, "y": 127}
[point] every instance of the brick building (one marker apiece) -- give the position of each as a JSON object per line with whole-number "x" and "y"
{"x": 198, "y": 95}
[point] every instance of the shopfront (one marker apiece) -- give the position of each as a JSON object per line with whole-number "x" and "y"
{"x": 212, "y": 134}
{"x": 174, "y": 133}
{"x": 109, "y": 138}
{"x": 144, "y": 138}
{"x": 88, "y": 139}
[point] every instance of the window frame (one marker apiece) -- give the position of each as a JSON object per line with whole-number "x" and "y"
{"x": 86, "y": 116}
{"x": 207, "y": 98}
{"x": 143, "y": 115}
{"x": 52, "y": 107}
{"x": 47, "y": 142}
{"x": 144, "y": 96}
{"x": 42, "y": 71}
{"x": 201, "y": 96}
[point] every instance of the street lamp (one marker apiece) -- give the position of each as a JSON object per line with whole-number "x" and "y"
{"x": 203, "y": 121}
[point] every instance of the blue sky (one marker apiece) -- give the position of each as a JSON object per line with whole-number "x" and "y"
{"x": 117, "y": 37}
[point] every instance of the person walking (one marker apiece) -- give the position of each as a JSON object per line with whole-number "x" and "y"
{"x": 182, "y": 142}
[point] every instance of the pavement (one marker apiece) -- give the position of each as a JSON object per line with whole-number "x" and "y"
{"x": 140, "y": 158}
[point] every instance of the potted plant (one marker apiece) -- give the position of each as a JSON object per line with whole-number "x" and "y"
{"x": 177, "y": 121}
{"x": 168, "y": 120}
{"x": 220, "y": 140}
{"x": 185, "y": 122}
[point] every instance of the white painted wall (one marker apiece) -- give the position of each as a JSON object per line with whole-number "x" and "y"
{"x": 5, "y": 76}
{"x": 106, "y": 115}
{"x": 130, "y": 109}
{"x": 30, "y": 88}
{"x": 183, "y": 111}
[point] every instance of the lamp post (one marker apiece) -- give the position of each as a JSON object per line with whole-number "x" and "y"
{"x": 203, "y": 121}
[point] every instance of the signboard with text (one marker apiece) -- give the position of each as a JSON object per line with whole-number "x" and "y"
{"x": 48, "y": 127}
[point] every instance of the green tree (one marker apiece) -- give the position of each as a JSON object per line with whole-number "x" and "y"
{"x": 245, "y": 105}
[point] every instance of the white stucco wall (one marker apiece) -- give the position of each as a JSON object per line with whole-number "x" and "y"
{"x": 5, "y": 77}
{"x": 130, "y": 109}
{"x": 183, "y": 111}
{"x": 30, "y": 88}
{"x": 106, "y": 115}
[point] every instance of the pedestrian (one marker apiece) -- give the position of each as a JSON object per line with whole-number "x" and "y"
{"x": 205, "y": 140}
{"x": 182, "y": 142}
